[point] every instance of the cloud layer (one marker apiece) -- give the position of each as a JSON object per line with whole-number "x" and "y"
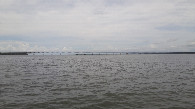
{"x": 98, "y": 25}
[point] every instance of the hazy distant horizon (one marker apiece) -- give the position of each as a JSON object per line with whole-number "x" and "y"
{"x": 86, "y": 53}
{"x": 97, "y": 25}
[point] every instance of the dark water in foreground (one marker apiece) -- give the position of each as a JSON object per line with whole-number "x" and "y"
{"x": 97, "y": 82}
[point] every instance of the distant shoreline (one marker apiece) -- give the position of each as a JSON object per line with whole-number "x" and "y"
{"x": 89, "y": 53}
{"x": 13, "y": 53}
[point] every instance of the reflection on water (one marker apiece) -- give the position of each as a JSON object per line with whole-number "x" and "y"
{"x": 97, "y": 82}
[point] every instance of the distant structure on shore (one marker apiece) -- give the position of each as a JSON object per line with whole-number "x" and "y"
{"x": 89, "y": 53}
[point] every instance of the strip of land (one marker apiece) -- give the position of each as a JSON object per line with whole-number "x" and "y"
{"x": 89, "y": 53}
{"x": 13, "y": 53}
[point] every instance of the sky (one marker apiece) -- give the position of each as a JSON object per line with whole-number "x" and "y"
{"x": 97, "y": 25}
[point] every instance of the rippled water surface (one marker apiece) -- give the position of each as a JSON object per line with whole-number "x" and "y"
{"x": 97, "y": 82}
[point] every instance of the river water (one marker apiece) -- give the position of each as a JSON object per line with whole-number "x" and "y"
{"x": 98, "y": 82}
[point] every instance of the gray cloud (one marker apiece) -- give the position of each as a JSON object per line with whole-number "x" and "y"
{"x": 177, "y": 28}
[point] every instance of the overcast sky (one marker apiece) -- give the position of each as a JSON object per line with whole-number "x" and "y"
{"x": 97, "y": 25}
